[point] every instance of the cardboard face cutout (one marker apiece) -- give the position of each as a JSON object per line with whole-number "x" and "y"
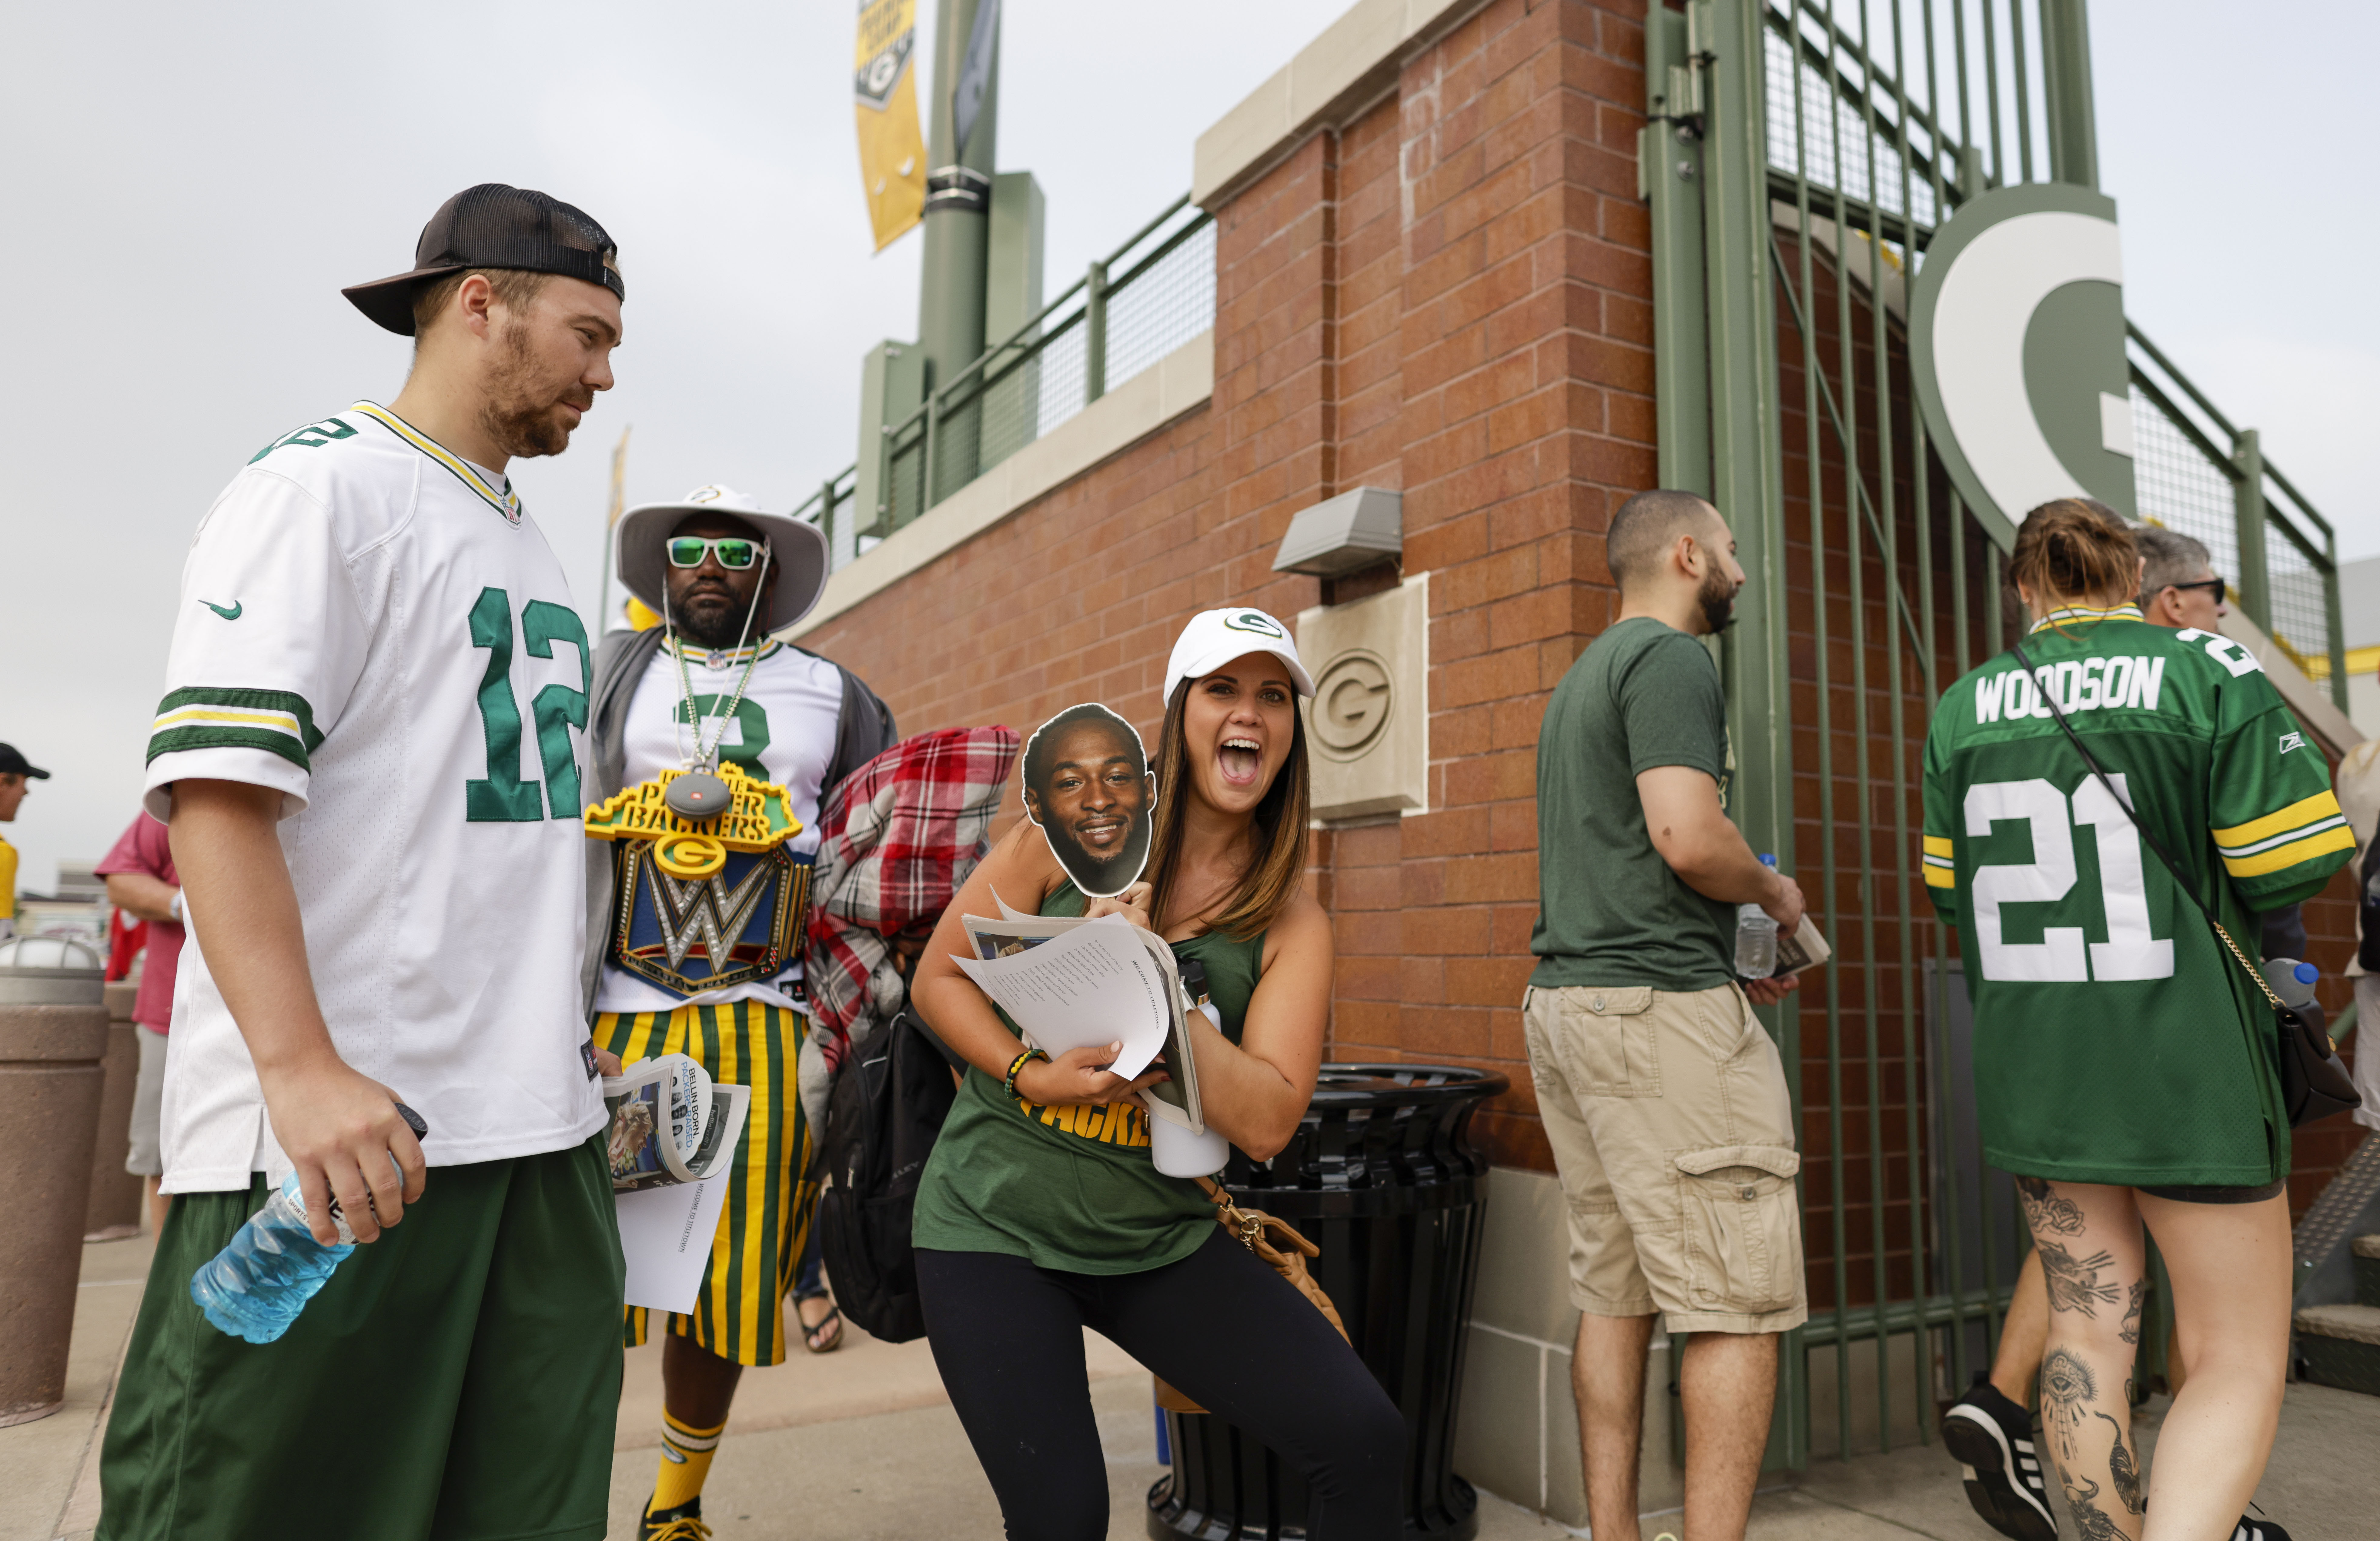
{"x": 1088, "y": 788}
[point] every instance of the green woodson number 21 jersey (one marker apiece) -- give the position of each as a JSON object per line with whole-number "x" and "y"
{"x": 2115, "y": 1041}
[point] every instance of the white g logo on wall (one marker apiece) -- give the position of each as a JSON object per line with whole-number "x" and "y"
{"x": 2016, "y": 327}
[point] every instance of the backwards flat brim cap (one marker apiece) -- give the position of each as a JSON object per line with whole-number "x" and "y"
{"x": 493, "y": 226}
{"x": 1214, "y": 637}
{"x": 797, "y": 550}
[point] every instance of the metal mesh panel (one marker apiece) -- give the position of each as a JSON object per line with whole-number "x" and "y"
{"x": 905, "y": 487}
{"x": 2179, "y": 487}
{"x": 2175, "y": 485}
{"x": 2301, "y": 615}
{"x": 1837, "y": 146}
{"x": 1163, "y": 307}
{"x": 1063, "y": 373}
{"x": 1028, "y": 391}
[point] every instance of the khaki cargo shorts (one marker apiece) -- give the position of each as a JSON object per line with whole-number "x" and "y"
{"x": 1673, "y": 1133}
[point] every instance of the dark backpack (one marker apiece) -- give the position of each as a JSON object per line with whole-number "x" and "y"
{"x": 887, "y": 1109}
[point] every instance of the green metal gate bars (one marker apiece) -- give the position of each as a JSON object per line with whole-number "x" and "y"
{"x": 1798, "y": 157}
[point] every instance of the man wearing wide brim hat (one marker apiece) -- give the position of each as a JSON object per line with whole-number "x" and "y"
{"x": 711, "y": 966}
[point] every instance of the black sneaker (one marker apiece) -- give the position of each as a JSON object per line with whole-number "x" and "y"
{"x": 1992, "y": 1437}
{"x": 682, "y": 1523}
{"x": 2258, "y": 1529}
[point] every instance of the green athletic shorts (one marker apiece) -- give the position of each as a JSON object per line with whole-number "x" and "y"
{"x": 458, "y": 1378}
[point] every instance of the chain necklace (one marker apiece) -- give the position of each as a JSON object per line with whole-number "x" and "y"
{"x": 706, "y": 752}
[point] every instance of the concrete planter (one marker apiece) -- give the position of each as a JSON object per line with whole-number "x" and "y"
{"x": 54, "y": 1036}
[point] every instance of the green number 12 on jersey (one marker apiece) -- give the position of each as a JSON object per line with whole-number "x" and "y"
{"x": 503, "y": 797}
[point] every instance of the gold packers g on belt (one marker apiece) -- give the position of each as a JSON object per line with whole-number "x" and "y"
{"x": 705, "y": 899}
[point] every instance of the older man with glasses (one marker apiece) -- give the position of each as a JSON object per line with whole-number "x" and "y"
{"x": 2178, "y": 587}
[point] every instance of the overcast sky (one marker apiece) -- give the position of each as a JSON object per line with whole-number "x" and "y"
{"x": 189, "y": 187}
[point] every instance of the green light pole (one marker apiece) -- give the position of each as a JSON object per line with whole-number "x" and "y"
{"x": 959, "y": 159}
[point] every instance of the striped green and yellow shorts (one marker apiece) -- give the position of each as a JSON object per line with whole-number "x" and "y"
{"x": 738, "y": 1315}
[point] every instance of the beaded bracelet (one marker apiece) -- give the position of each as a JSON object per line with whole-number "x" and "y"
{"x": 1009, "y": 1085}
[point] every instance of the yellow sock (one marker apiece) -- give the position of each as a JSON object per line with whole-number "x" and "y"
{"x": 686, "y": 1462}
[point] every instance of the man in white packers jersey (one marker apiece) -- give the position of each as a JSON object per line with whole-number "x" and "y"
{"x": 368, "y": 756}
{"x": 710, "y": 965}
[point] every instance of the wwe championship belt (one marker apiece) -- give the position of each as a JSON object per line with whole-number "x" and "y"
{"x": 704, "y": 904}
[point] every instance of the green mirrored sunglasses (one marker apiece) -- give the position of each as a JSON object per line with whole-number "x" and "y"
{"x": 734, "y": 552}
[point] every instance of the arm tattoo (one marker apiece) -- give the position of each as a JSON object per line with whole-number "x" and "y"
{"x": 2045, "y": 1210}
{"x": 2074, "y": 1285}
{"x": 2130, "y": 1331}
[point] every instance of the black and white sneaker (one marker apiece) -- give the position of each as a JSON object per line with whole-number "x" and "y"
{"x": 1992, "y": 1437}
{"x": 2258, "y": 1529}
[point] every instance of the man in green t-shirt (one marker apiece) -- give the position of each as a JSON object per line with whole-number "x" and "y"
{"x": 1663, "y": 1098}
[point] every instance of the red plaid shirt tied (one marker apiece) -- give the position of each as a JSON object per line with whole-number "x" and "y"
{"x": 896, "y": 840}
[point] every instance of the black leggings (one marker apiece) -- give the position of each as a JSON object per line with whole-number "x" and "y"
{"x": 1219, "y": 1324}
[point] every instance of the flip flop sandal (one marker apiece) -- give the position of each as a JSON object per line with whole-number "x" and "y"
{"x": 833, "y": 1318}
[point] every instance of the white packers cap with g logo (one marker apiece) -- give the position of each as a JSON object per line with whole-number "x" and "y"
{"x": 1214, "y": 637}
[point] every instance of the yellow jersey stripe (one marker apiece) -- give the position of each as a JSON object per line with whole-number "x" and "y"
{"x": 2321, "y": 805}
{"x": 2337, "y": 838}
{"x": 2087, "y": 613}
{"x": 285, "y": 721}
{"x": 1938, "y": 845}
{"x": 507, "y": 503}
{"x": 1940, "y": 877}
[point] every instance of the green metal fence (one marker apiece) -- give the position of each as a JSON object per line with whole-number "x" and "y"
{"x": 1152, "y": 294}
{"x": 1800, "y": 154}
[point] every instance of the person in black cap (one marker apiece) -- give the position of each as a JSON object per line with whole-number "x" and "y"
{"x": 14, "y": 773}
{"x": 368, "y": 760}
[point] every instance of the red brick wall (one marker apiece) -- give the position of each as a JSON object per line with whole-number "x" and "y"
{"x": 1451, "y": 296}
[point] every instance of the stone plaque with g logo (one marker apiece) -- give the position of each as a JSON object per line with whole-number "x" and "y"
{"x": 1368, "y": 721}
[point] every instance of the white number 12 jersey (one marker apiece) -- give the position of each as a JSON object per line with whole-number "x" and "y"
{"x": 374, "y": 628}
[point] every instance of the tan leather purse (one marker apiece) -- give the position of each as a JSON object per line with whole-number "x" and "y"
{"x": 1277, "y": 1242}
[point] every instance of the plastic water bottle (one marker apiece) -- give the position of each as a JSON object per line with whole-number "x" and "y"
{"x": 255, "y": 1288}
{"x": 2291, "y": 981}
{"x": 1756, "y": 937}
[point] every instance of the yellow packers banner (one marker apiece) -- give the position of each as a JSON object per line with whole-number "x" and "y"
{"x": 884, "y": 93}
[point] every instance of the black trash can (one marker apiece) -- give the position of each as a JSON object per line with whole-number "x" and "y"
{"x": 1381, "y": 1176}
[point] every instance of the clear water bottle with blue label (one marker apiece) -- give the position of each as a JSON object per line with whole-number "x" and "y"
{"x": 255, "y": 1288}
{"x": 1756, "y": 936}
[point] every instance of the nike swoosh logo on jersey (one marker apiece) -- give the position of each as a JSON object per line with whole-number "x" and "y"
{"x": 231, "y": 614}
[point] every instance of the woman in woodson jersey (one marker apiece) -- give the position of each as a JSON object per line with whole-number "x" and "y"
{"x": 2123, "y": 1063}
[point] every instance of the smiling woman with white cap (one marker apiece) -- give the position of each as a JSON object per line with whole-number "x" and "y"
{"x": 710, "y": 965}
{"x": 1041, "y": 1212}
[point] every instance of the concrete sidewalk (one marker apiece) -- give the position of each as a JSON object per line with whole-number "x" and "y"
{"x": 861, "y": 1445}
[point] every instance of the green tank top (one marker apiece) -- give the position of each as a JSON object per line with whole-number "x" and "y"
{"x": 1072, "y": 1187}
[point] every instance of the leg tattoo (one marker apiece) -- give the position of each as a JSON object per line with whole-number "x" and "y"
{"x": 2074, "y": 1285}
{"x": 2130, "y": 1331}
{"x": 2067, "y": 1388}
{"x": 2045, "y": 1210}
{"x": 2125, "y": 1470}
{"x": 2089, "y": 1518}
{"x": 2067, "y": 1384}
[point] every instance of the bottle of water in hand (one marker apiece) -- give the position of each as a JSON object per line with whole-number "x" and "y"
{"x": 255, "y": 1288}
{"x": 1756, "y": 937}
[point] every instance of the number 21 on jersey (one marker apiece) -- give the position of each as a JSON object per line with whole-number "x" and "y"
{"x": 2063, "y": 953}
